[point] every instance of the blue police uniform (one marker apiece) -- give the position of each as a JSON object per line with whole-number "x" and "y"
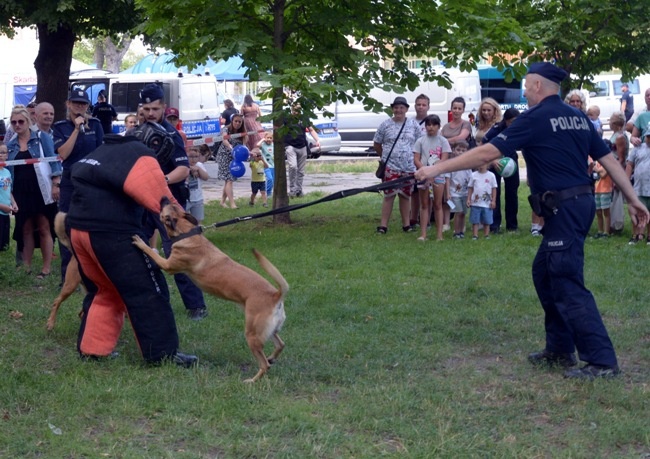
{"x": 556, "y": 140}
{"x": 92, "y": 138}
{"x": 87, "y": 142}
{"x": 511, "y": 185}
{"x": 190, "y": 294}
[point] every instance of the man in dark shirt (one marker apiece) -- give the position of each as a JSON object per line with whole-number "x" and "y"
{"x": 104, "y": 112}
{"x": 108, "y": 203}
{"x": 295, "y": 145}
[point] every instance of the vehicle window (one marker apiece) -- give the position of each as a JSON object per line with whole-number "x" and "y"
{"x": 601, "y": 89}
{"x": 126, "y": 96}
{"x": 91, "y": 87}
{"x": 633, "y": 86}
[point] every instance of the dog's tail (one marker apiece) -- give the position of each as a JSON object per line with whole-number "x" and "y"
{"x": 273, "y": 272}
{"x": 59, "y": 229}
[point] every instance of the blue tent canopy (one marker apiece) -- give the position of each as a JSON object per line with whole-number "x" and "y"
{"x": 231, "y": 69}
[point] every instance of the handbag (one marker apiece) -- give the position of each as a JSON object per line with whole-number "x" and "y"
{"x": 380, "y": 173}
{"x": 44, "y": 175}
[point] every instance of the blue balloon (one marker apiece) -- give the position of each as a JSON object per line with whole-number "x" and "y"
{"x": 240, "y": 153}
{"x": 237, "y": 168}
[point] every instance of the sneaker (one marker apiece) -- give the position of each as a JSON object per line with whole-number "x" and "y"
{"x": 445, "y": 228}
{"x": 633, "y": 241}
{"x": 457, "y": 236}
{"x": 535, "y": 233}
{"x": 647, "y": 242}
{"x": 185, "y": 360}
{"x": 548, "y": 358}
{"x": 408, "y": 229}
{"x": 462, "y": 235}
{"x": 251, "y": 203}
{"x": 382, "y": 230}
{"x": 591, "y": 372}
{"x": 474, "y": 238}
{"x": 487, "y": 237}
{"x": 197, "y": 314}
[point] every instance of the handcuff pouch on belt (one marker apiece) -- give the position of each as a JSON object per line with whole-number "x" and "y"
{"x": 546, "y": 204}
{"x": 543, "y": 204}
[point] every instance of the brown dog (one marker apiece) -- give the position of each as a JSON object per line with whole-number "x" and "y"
{"x": 72, "y": 276}
{"x": 216, "y": 273}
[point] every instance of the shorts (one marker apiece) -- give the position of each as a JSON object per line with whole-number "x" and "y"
{"x": 258, "y": 186}
{"x": 406, "y": 189}
{"x": 460, "y": 205}
{"x": 480, "y": 215}
{"x": 196, "y": 208}
{"x": 603, "y": 200}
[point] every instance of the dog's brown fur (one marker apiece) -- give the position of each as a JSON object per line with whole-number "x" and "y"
{"x": 216, "y": 273}
{"x": 72, "y": 276}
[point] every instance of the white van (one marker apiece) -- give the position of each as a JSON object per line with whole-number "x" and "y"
{"x": 607, "y": 94}
{"x": 357, "y": 126}
{"x": 195, "y": 97}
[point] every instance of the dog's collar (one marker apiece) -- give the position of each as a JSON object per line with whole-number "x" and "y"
{"x": 193, "y": 232}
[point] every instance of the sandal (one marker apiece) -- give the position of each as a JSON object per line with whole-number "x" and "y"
{"x": 42, "y": 275}
{"x": 382, "y": 230}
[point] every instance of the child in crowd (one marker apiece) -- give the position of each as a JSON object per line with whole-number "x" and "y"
{"x": 593, "y": 113}
{"x": 258, "y": 176}
{"x": 427, "y": 151}
{"x": 638, "y": 163}
{"x": 205, "y": 152}
{"x": 198, "y": 174}
{"x": 603, "y": 195}
{"x": 481, "y": 197}
{"x": 7, "y": 202}
{"x": 266, "y": 145}
{"x": 458, "y": 190}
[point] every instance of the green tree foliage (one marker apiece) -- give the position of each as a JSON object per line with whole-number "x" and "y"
{"x": 303, "y": 47}
{"x": 587, "y": 37}
{"x": 59, "y": 24}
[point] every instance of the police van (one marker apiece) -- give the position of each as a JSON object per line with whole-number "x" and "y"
{"x": 195, "y": 97}
{"x": 357, "y": 126}
{"x": 606, "y": 94}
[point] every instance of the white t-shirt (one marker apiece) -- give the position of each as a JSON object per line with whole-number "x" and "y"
{"x": 195, "y": 185}
{"x": 459, "y": 182}
{"x": 640, "y": 159}
{"x": 482, "y": 184}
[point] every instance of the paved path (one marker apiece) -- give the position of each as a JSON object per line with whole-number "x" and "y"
{"x": 327, "y": 183}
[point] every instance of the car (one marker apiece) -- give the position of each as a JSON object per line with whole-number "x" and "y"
{"x": 328, "y": 136}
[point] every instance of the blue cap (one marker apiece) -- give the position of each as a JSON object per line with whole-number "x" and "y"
{"x": 548, "y": 71}
{"x": 79, "y": 95}
{"x": 150, "y": 93}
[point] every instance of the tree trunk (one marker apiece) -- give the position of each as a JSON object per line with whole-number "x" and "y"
{"x": 98, "y": 45}
{"x": 52, "y": 66}
{"x": 114, "y": 53}
{"x": 280, "y": 196}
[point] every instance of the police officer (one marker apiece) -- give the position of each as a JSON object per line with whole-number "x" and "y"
{"x": 176, "y": 170}
{"x": 74, "y": 137}
{"x": 556, "y": 140}
{"x": 511, "y": 184}
{"x": 107, "y": 209}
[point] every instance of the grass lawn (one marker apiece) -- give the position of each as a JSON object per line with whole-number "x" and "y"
{"x": 395, "y": 348}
